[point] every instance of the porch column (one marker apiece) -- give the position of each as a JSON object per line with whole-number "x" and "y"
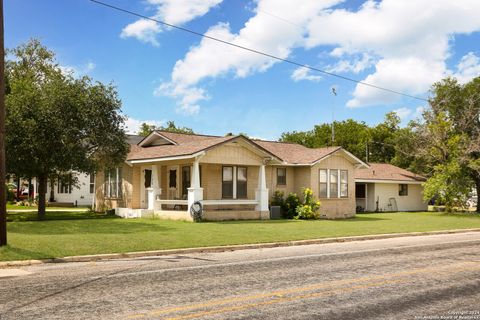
{"x": 195, "y": 192}
{"x": 154, "y": 190}
{"x": 261, "y": 194}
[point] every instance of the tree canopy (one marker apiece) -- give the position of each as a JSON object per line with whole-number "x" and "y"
{"x": 56, "y": 122}
{"x": 146, "y": 129}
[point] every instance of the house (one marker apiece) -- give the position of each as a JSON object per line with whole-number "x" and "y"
{"x": 385, "y": 187}
{"x": 233, "y": 177}
{"x": 64, "y": 193}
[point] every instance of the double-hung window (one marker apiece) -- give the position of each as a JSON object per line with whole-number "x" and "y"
{"x": 332, "y": 183}
{"x": 227, "y": 182}
{"x": 113, "y": 183}
{"x": 92, "y": 183}
{"x": 281, "y": 176}
{"x": 323, "y": 183}
{"x": 234, "y": 182}
{"x": 65, "y": 184}
{"x": 403, "y": 189}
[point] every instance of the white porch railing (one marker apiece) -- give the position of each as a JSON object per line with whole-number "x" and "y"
{"x": 221, "y": 202}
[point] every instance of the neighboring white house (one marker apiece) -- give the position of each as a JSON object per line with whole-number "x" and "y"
{"x": 80, "y": 194}
{"x": 385, "y": 187}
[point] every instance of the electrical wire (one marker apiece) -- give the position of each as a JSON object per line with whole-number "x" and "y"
{"x": 292, "y": 62}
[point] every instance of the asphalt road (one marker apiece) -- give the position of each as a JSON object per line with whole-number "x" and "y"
{"x": 431, "y": 277}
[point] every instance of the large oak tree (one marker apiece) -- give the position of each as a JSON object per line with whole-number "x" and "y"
{"x": 57, "y": 122}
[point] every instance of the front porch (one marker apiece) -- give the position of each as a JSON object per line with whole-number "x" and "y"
{"x": 168, "y": 188}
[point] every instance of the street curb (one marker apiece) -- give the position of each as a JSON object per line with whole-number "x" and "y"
{"x": 139, "y": 254}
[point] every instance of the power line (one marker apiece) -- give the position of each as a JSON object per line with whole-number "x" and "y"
{"x": 292, "y": 62}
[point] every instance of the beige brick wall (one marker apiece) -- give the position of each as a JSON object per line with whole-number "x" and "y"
{"x": 338, "y": 207}
{"x": 302, "y": 179}
{"x": 101, "y": 203}
{"x": 272, "y": 185}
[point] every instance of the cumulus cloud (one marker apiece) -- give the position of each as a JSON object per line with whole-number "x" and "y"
{"x": 176, "y": 12}
{"x": 468, "y": 68}
{"x": 304, "y": 74}
{"x": 132, "y": 125}
{"x": 411, "y": 55}
{"x": 263, "y": 32}
{"x": 385, "y": 39}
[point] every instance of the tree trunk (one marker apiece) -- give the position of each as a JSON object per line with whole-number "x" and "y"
{"x": 477, "y": 183}
{"x": 42, "y": 191}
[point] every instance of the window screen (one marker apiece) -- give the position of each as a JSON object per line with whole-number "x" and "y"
{"x": 241, "y": 182}
{"x": 333, "y": 183}
{"x": 227, "y": 182}
{"x": 281, "y": 176}
{"x": 322, "y": 177}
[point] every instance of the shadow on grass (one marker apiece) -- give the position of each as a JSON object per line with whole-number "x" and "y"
{"x": 85, "y": 226}
{"x": 56, "y": 215}
{"x": 20, "y": 254}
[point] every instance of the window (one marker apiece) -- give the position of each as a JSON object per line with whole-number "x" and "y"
{"x": 333, "y": 183}
{"x": 281, "y": 176}
{"x": 185, "y": 180}
{"x": 65, "y": 184}
{"x": 403, "y": 189}
{"x": 323, "y": 183}
{"x": 113, "y": 183}
{"x": 343, "y": 183}
{"x": 242, "y": 182}
{"x": 227, "y": 182}
{"x": 92, "y": 183}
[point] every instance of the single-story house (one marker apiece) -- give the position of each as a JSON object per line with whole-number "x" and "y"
{"x": 233, "y": 177}
{"x": 385, "y": 187}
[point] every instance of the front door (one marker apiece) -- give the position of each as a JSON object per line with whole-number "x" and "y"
{"x": 173, "y": 182}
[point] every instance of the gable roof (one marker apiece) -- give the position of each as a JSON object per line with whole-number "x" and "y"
{"x": 387, "y": 172}
{"x": 296, "y": 153}
{"x": 182, "y": 144}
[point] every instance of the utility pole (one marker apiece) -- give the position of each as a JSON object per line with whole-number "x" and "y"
{"x": 3, "y": 173}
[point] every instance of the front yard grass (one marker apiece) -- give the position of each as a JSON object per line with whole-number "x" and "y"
{"x": 92, "y": 234}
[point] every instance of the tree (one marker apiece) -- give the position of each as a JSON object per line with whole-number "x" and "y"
{"x": 381, "y": 139}
{"x": 349, "y": 134}
{"x": 146, "y": 129}
{"x": 450, "y": 141}
{"x": 57, "y": 123}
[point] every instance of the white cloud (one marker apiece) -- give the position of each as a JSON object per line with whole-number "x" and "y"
{"x": 406, "y": 51}
{"x": 263, "y": 32}
{"x": 412, "y": 48}
{"x": 468, "y": 68}
{"x": 304, "y": 74}
{"x": 354, "y": 64}
{"x": 78, "y": 70}
{"x": 132, "y": 125}
{"x": 143, "y": 29}
{"x": 175, "y": 12}
{"x": 403, "y": 113}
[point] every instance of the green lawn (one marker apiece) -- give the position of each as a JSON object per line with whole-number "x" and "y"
{"x": 105, "y": 234}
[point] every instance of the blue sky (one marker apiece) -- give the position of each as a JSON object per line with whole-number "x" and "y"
{"x": 164, "y": 74}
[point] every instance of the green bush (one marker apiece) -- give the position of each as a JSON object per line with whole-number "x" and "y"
{"x": 277, "y": 199}
{"x": 291, "y": 203}
{"x": 10, "y": 193}
{"x": 308, "y": 210}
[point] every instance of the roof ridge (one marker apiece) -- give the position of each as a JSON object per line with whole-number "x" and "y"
{"x": 190, "y": 134}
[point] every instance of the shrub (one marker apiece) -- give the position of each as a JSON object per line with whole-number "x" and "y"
{"x": 278, "y": 199}
{"x": 10, "y": 193}
{"x": 291, "y": 203}
{"x": 309, "y": 208}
